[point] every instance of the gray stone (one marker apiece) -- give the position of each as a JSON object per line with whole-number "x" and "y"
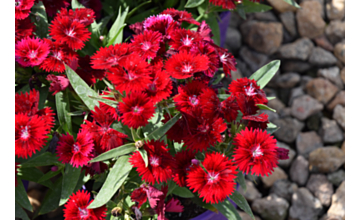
{"x": 335, "y": 31}
{"x": 285, "y": 112}
{"x": 236, "y": 74}
{"x": 304, "y": 206}
{"x": 339, "y": 51}
{"x": 321, "y": 188}
{"x": 243, "y": 68}
{"x": 335, "y": 9}
{"x": 339, "y": 115}
{"x": 330, "y": 132}
{"x": 276, "y": 104}
{"x": 271, "y": 207}
{"x": 333, "y": 75}
{"x": 281, "y": 6}
{"x": 337, "y": 208}
{"x": 289, "y": 22}
{"x": 321, "y": 89}
{"x": 253, "y": 178}
{"x": 245, "y": 216}
{"x": 264, "y": 37}
{"x": 235, "y": 20}
{"x": 304, "y": 80}
{"x": 295, "y": 92}
{"x": 288, "y": 80}
{"x": 251, "y": 192}
{"x": 336, "y": 177}
{"x": 265, "y": 16}
{"x": 289, "y": 128}
{"x": 284, "y": 189}
{"x": 323, "y": 42}
{"x": 233, "y": 39}
{"x": 271, "y": 115}
{"x": 305, "y": 106}
{"x": 295, "y": 66}
{"x": 342, "y": 75}
{"x": 326, "y": 159}
{"x": 299, "y": 171}
{"x": 313, "y": 123}
{"x": 300, "y": 49}
{"x": 278, "y": 174}
{"x": 292, "y": 153}
{"x": 326, "y": 217}
{"x": 253, "y": 59}
{"x": 306, "y": 142}
{"x": 309, "y": 20}
{"x": 321, "y": 10}
{"x": 321, "y": 57}
{"x": 338, "y": 100}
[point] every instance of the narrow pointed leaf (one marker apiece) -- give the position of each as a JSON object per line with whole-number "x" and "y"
{"x": 116, "y": 31}
{"x": 144, "y": 155}
{"x": 265, "y": 107}
{"x": 82, "y": 88}
{"x": 271, "y": 98}
{"x": 241, "y": 180}
{"x": 263, "y": 75}
{"x": 116, "y": 152}
{"x": 293, "y": 3}
{"x": 71, "y": 176}
{"x": 34, "y": 175}
{"x": 44, "y": 91}
{"x": 158, "y": 133}
{"x": 242, "y": 203}
{"x": 113, "y": 182}
{"x": 44, "y": 159}
{"x": 193, "y": 3}
{"x": 49, "y": 175}
{"x": 252, "y": 7}
{"x": 20, "y": 212}
{"x": 228, "y": 210}
{"x": 52, "y": 198}
{"x": 135, "y": 135}
{"x": 271, "y": 128}
{"x": 183, "y": 192}
{"x": 40, "y": 20}
{"x": 62, "y": 109}
{"x": 21, "y": 196}
{"x": 75, "y": 4}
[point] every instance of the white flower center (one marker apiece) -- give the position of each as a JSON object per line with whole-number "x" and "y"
{"x": 154, "y": 161}
{"x": 193, "y": 100}
{"x": 70, "y": 33}
{"x": 145, "y": 46}
{"x": 250, "y": 91}
{"x": 25, "y": 133}
{"x": 76, "y": 148}
{"x": 212, "y": 177}
{"x": 32, "y": 54}
{"x": 187, "y": 68}
{"x": 256, "y": 151}
{"x": 187, "y": 41}
{"x": 83, "y": 213}
{"x": 223, "y": 58}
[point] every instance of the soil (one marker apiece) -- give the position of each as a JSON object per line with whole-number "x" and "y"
{"x": 191, "y": 210}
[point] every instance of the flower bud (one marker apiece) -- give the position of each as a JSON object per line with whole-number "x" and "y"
{"x": 116, "y": 212}
{"x": 101, "y": 38}
{"x": 54, "y": 168}
{"x": 139, "y": 144}
{"x": 195, "y": 162}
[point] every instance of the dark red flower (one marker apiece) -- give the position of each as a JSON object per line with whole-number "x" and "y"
{"x": 159, "y": 23}
{"x": 206, "y": 49}
{"x": 160, "y": 86}
{"x": 246, "y": 104}
{"x": 160, "y": 164}
{"x": 83, "y": 15}
{"x": 95, "y": 168}
{"x": 174, "y": 205}
{"x": 139, "y": 196}
{"x": 183, "y": 64}
{"x": 255, "y": 150}
{"x": 31, "y": 51}
{"x": 225, "y": 4}
{"x": 178, "y": 131}
{"x": 23, "y": 29}
{"x": 60, "y": 54}
{"x": 103, "y": 136}
{"x": 22, "y": 8}
{"x": 182, "y": 166}
{"x": 136, "y": 109}
{"x": 53, "y": 6}
{"x": 75, "y": 152}
{"x": 183, "y": 39}
{"x": 227, "y": 60}
{"x": 30, "y": 134}
{"x": 205, "y": 32}
{"x": 282, "y": 153}
{"x": 68, "y": 31}
{"x": 59, "y": 83}
{"x": 94, "y": 5}
{"x": 88, "y": 74}
{"x": 76, "y": 207}
{"x": 188, "y": 99}
{"x": 249, "y": 88}
{"x": 160, "y": 208}
{"x": 138, "y": 27}
{"x": 111, "y": 56}
{"x": 132, "y": 76}
{"x": 180, "y": 16}
{"x": 257, "y": 121}
{"x": 146, "y": 44}
{"x": 203, "y": 133}
{"x": 217, "y": 182}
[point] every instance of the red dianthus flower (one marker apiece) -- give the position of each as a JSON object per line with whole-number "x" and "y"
{"x": 160, "y": 164}
{"x": 76, "y": 207}
{"x": 22, "y": 8}
{"x": 160, "y": 86}
{"x": 53, "y": 6}
{"x": 111, "y": 56}
{"x": 146, "y": 44}
{"x": 136, "y": 109}
{"x": 139, "y": 196}
{"x": 249, "y": 88}
{"x": 217, "y": 182}
{"x": 180, "y": 16}
{"x": 87, "y": 73}
{"x": 183, "y": 39}
{"x": 255, "y": 150}
{"x": 75, "y": 152}
{"x": 206, "y": 49}
{"x": 31, "y": 51}
{"x": 225, "y": 4}
{"x": 24, "y": 28}
{"x": 59, "y": 83}
{"x": 182, "y": 166}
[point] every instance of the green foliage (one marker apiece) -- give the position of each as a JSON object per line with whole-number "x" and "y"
{"x": 70, "y": 177}
{"x": 21, "y": 197}
{"x": 263, "y": 75}
{"x": 242, "y": 203}
{"x": 40, "y": 20}
{"x": 241, "y": 180}
{"x": 116, "y": 152}
{"x": 193, "y": 3}
{"x": 228, "y": 210}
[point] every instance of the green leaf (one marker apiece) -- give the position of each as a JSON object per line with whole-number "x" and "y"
{"x": 75, "y": 4}
{"x": 271, "y": 98}
{"x": 178, "y": 146}
{"x": 43, "y": 91}
{"x": 251, "y": 7}
{"x": 219, "y": 77}
{"x": 241, "y": 180}
{"x": 293, "y": 3}
{"x": 113, "y": 182}
{"x": 116, "y": 34}
{"x": 271, "y": 128}
{"x": 45, "y": 159}
{"x": 52, "y": 198}
{"x": 63, "y": 108}
{"x": 49, "y": 175}
{"x": 136, "y": 8}
{"x": 82, "y": 88}
{"x": 215, "y": 30}
{"x": 193, "y": 3}
{"x": 228, "y": 210}
{"x": 33, "y": 174}
{"x": 265, "y": 107}
{"x": 263, "y": 75}
{"x": 21, "y": 196}
{"x": 116, "y": 152}
{"x": 135, "y": 135}
{"x": 70, "y": 178}
{"x": 240, "y": 11}
{"x": 183, "y": 192}
{"x": 242, "y": 203}
{"x": 223, "y": 96}
{"x": 20, "y": 212}
{"x": 158, "y": 133}
{"x": 40, "y": 20}
{"x": 144, "y": 156}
